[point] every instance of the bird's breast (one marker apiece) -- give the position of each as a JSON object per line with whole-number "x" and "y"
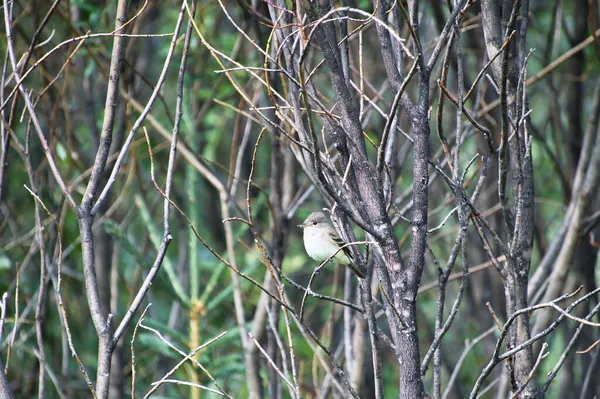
{"x": 319, "y": 247}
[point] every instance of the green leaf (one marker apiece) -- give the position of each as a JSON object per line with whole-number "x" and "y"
{"x": 61, "y": 152}
{"x": 5, "y": 262}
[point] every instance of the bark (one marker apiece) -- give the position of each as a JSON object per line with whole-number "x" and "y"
{"x": 5, "y": 391}
{"x": 499, "y": 20}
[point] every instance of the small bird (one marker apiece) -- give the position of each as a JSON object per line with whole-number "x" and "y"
{"x": 321, "y": 241}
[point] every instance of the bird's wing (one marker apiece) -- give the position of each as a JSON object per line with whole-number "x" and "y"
{"x": 340, "y": 243}
{"x": 352, "y": 265}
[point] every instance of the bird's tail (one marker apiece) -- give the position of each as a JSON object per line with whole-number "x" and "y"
{"x": 356, "y": 269}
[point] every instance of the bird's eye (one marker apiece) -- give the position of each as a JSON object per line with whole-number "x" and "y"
{"x": 314, "y": 223}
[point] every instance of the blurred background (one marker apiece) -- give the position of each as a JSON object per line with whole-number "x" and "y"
{"x": 222, "y": 141}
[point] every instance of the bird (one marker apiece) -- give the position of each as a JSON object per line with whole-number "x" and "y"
{"x": 321, "y": 241}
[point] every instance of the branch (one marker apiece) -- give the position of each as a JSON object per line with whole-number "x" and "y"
{"x": 31, "y": 110}
{"x": 497, "y": 358}
{"x": 112, "y": 94}
{"x": 142, "y": 117}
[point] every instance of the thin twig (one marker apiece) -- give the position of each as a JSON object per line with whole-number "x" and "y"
{"x": 272, "y": 363}
{"x": 541, "y": 357}
{"x": 157, "y": 384}
{"x": 318, "y": 269}
{"x": 133, "y": 350}
{"x": 142, "y": 117}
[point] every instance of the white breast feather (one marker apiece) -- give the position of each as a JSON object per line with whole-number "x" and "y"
{"x": 320, "y": 247}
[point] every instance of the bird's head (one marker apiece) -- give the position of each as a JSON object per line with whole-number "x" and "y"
{"x": 314, "y": 219}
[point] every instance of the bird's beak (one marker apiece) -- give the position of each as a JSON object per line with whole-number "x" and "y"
{"x": 302, "y": 226}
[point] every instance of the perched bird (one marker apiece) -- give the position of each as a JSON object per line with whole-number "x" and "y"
{"x": 321, "y": 241}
